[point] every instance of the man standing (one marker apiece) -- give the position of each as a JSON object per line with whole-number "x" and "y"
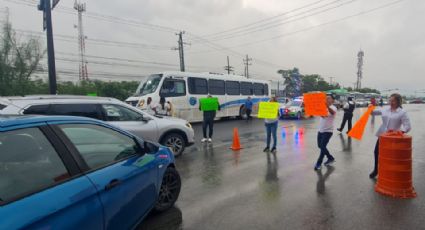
{"x": 208, "y": 121}
{"x": 326, "y": 127}
{"x": 348, "y": 107}
{"x": 248, "y": 108}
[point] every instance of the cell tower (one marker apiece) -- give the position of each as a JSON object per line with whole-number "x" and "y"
{"x": 360, "y": 56}
{"x": 81, "y": 7}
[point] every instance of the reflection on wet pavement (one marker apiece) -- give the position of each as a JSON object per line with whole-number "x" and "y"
{"x": 249, "y": 189}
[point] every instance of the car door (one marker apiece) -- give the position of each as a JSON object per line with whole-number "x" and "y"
{"x": 125, "y": 178}
{"x": 41, "y": 186}
{"x": 132, "y": 121}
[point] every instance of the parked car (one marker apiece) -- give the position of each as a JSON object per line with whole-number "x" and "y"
{"x": 361, "y": 103}
{"x": 62, "y": 172}
{"x": 293, "y": 109}
{"x": 174, "y": 133}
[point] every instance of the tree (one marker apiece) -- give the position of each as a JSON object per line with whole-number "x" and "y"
{"x": 18, "y": 61}
{"x": 292, "y": 81}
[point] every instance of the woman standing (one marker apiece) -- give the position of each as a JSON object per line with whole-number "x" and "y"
{"x": 271, "y": 130}
{"x": 150, "y": 107}
{"x": 163, "y": 108}
{"x": 394, "y": 118}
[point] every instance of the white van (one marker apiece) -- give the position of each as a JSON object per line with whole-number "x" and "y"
{"x": 184, "y": 89}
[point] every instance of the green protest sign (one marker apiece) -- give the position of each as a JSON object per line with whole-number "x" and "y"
{"x": 92, "y": 94}
{"x": 209, "y": 104}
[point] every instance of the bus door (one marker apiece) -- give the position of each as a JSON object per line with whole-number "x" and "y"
{"x": 173, "y": 89}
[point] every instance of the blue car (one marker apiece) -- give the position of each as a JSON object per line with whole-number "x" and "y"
{"x": 77, "y": 173}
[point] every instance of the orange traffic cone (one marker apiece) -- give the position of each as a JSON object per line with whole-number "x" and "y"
{"x": 236, "y": 143}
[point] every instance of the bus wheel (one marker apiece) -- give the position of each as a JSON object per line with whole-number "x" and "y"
{"x": 242, "y": 114}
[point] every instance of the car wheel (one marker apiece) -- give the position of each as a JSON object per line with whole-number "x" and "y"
{"x": 242, "y": 113}
{"x": 298, "y": 115}
{"x": 169, "y": 191}
{"x": 175, "y": 142}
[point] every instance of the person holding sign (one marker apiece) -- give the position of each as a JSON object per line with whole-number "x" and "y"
{"x": 271, "y": 124}
{"x": 209, "y": 106}
{"x": 326, "y": 127}
{"x": 394, "y": 118}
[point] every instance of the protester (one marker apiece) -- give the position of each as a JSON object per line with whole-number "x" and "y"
{"x": 208, "y": 122}
{"x": 381, "y": 102}
{"x": 326, "y": 127}
{"x": 248, "y": 108}
{"x": 348, "y": 107}
{"x": 394, "y": 118}
{"x": 150, "y": 107}
{"x": 271, "y": 130}
{"x": 163, "y": 109}
{"x": 373, "y": 101}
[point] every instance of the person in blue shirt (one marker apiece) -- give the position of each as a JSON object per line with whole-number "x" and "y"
{"x": 248, "y": 108}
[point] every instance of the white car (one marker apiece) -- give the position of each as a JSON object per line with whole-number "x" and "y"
{"x": 292, "y": 109}
{"x": 174, "y": 133}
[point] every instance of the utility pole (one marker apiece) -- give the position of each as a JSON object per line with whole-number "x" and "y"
{"x": 247, "y": 63}
{"x": 180, "y": 48}
{"x": 45, "y": 6}
{"x": 360, "y": 56}
{"x": 83, "y": 74}
{"x": 228, "y": 67}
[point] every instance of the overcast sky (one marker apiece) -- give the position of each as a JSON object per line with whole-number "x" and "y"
{"x": 315, "y": 36}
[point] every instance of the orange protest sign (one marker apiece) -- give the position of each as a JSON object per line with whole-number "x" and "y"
{"x": 358, "y": 129}
{"x": 315, "y": 104}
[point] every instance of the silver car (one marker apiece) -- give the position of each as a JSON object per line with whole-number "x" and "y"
{"x": 172, "y": 132}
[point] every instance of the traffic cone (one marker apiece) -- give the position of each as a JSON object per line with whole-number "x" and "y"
{"x": 236, "y": 143}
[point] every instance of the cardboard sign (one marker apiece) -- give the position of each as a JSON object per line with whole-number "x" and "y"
{"x": 357, "y": 131}
{"x": 209, "y": 104}
{"x": 315, "y": 104}
{"x": 268, "y": 110}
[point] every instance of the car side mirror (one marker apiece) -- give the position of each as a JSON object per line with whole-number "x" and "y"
{"x": 145, "y": 119}
{"x": 150, "y": 147}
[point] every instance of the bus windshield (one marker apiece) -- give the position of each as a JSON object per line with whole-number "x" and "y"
{"x": 150, "y": 85}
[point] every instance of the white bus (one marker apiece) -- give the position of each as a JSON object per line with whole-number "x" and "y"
{"x": 184, "y": 89}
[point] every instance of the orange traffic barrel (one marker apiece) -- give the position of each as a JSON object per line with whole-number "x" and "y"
{"x": 395, "y": 165}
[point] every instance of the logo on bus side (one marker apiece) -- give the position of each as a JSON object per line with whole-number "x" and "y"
{"x": 192, "y": 101}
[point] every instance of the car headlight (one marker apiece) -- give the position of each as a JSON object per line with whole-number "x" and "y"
{"x": 141, "y": 103}
{"x": 188, "y": 125}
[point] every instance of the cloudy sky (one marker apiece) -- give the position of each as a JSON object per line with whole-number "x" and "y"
{"x": 129, "y": 38}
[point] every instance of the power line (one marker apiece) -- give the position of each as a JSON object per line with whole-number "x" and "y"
{"x": 279, "y": 22}
{"x": 267, "y": 27}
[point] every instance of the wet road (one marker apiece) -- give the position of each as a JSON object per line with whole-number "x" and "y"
{"x": 250, "y": 189}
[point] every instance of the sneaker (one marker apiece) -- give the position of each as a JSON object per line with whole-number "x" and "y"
{"x": 204, "y": 140}
{"x": 266, "y": 149}
{"x": 209, "y": 140}
{"x": 317, "y": 167}
{"x": 273, "y": 150}
{"x": 329, "y": 162}
{"x": 373, "y": 174}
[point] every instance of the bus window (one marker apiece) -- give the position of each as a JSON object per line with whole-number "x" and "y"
{"x": 150, "y": 85}
{"x": 246, "y": 88}
{"x": 258, "y": 89}
{"x": 233, "y": 88}
{"x": 216, "y": 87}
{"x": 198, "y": 85}
{"x": 266, "y": 89}
{"x": 173, "y": 88}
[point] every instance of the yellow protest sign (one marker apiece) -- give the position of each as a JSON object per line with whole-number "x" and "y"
{"x": 268, "y": 110}
{"x": 358, "y": 129}
{"x": 315, "y": 104}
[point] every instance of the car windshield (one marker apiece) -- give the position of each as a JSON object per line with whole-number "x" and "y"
{"x": 294, "y": 103}
{"x": 150, "y": 85}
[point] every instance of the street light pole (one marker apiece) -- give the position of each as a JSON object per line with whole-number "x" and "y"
{"x": 45, "y": 6}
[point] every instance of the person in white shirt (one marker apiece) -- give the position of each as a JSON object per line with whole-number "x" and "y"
{"x": 163, "y": 109}
{"x": 394, "y": 118}
{"x": 349, "y": 107}
{"x": 326, "y": 127}
{"x": 150, "y": 107}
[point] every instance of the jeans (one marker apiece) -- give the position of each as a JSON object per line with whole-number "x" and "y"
{"x": 347, "y": 117}
{"x": 271, "y": 129}
{"x": 375, "y": 169}
{"x": 208, "y": 123}
{"x": 248, "y": 113}
{"x": 322, "y": 142}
